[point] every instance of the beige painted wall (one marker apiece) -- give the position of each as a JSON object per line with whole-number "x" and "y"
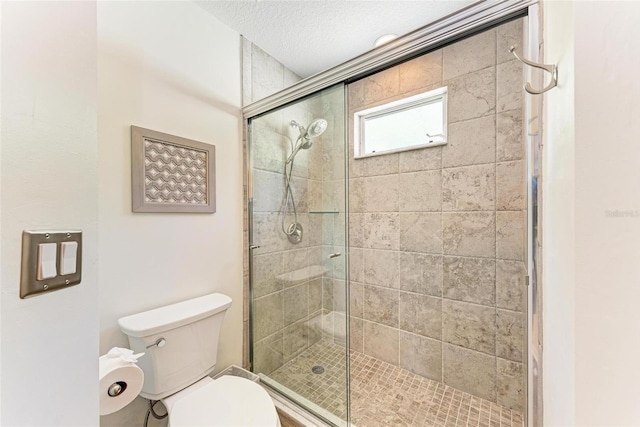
{"x": 607, "y": 213}
{"x": 49, "y": 181}
{"x": 591, "y": 215}
{"x": 558, "y": 237}
{"x": 171, "y": 67}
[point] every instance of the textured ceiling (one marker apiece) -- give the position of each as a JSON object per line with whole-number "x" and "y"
{"x": 309, "y": 36}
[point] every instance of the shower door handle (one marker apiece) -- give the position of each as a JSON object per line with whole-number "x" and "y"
{"x": 254, "y": 247}
{"x": 335, "y": 255}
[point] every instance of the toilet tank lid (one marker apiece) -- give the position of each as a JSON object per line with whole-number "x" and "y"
{"x": 173, "y": 316}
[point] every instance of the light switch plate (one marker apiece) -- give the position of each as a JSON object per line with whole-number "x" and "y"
{"x": 29, "y": 284}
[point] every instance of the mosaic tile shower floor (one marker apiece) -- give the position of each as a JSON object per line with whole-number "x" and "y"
{"x": 386, "y": 395}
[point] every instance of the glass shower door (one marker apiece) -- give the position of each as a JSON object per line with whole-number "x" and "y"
{"x": 297, "y": 208}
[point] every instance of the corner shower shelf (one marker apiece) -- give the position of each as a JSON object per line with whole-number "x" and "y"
{"x": 302, "y": 275}
{"x": 324, "y": 212}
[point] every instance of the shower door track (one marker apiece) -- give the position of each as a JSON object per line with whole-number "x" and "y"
{"x": 475, "y": 18}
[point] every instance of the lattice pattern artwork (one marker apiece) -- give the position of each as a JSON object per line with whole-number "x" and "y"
{"x": 171, "y": 174}
{"x": 174, "y": 174}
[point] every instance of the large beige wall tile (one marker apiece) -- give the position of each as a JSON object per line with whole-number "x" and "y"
{"x": 315, "y": 296}
{"x": 421, "y": 273}
{"x": 313, "y": 232}
{"x": 421, "y": 314}
{"x": 457, "y": 59}
{"x": 295, "y": 339}
{"x": 268, "y": 354}
{"x": 381, "y": 342}
{"x": 293, "y": 260}
{"x": 509, "y": 137}
{"x": 510, "y": 186}
{"x": 356, "y": 334}
{"x": 356, "y": 94}
{"x": 469, "y": 188}
{"x": 375, "y": 165}
{"x": 421, "y": 72}
{"x": 381, "y": 305}
{"x": 356, "y": 264}
{"x": 509, "y": 34}
{"x": 267, "y": 149}
{"x": 267, "y": 232}
{"x": 469, "y": 325}
{"x": 421, "y": 355}
{"x": 510, "y": 235}
{"x": 510, "y": 284}
{"x": 265, "y": 270}
{"x": 268, "y": 190}
{"x": 295, "y": 303}
{"x": 268, "y": 310}
{"x": 470, "y": 279}
{"x": 509, "y": 335}
{"x": 382, "y": 85}
{"x": 470, "y": 142}
{"x": 381, "y": 193}
{"x": 510, "y": 386}
{"x": 327, "y": 294}
{"x": 421, "y": 232}
{"x": 247, "y": 48}
{"x": 420, "y": 191}
{"x": 381, "y": 231}
{"x": 356, "y": 230}
{"x": 422, "y": 159}
{"x": 382, "y": 268}
{"x": 469, "y": 234}
{"x": 472, "y": 95}
{"x": 356, "y": 195}
{"x": 267, "y": 74}
{"x": 509, "y": 86}
{"x": 469, "y": 371}
{"x": 356, "y": 299}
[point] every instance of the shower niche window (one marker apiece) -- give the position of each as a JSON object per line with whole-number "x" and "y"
{"x": 410, "y": 123}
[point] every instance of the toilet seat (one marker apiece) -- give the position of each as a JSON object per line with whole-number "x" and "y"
{"x": 228, "y": 401}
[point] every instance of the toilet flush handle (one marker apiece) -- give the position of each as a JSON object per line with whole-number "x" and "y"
{"x": 160, "y": 342}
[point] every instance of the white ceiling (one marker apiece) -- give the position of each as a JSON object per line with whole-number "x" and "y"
{"x": 309, "y": 36}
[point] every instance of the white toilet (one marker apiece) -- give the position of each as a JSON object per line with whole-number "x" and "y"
{"x": 181, "y": 344}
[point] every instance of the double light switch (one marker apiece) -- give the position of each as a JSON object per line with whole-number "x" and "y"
{"x": 50, "y": 260}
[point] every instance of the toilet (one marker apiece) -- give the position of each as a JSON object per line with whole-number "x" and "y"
{"x": 180, "y": 342}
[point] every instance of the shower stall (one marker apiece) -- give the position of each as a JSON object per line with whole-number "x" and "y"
{"x": 388, "y": 285}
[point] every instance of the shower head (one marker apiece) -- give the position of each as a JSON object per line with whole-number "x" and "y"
{"x": 315, "y": 129}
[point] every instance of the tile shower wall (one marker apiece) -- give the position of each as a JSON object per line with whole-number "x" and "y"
{"x": 437, "y": 234}
{"x": 287, "y": 285}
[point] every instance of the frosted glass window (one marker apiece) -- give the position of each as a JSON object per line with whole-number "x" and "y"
{"x": 415, "y": 122}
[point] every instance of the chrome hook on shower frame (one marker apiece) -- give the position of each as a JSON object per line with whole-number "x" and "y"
{"x": 550, "y": 68}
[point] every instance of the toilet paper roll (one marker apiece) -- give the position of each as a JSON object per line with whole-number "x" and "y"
{"x": 120, "y": 383}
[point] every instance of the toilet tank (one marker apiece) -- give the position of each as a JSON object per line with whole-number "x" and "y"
{"x": 190, "y": 330}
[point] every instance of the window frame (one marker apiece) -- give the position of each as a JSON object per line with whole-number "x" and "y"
{"x": 394, "y": 107}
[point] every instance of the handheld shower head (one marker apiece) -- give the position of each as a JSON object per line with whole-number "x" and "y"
{"x": 316, "y": 128}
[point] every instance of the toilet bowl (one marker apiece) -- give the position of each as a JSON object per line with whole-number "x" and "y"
{"x": 181, "y": 344}
{"x": 227, "y": 401}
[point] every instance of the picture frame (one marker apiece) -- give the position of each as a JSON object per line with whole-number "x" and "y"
{"x": 171, "y": 174}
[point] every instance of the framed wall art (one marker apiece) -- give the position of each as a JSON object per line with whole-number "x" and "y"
{"x": 171, "y": 174}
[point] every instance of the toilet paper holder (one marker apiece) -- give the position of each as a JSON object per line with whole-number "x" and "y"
{"x": 117, "y": 388}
